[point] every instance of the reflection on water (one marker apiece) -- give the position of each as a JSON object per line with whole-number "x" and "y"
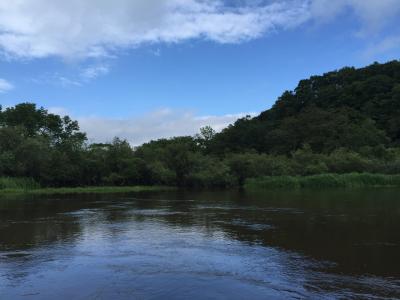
{"x": 202, "y": 245}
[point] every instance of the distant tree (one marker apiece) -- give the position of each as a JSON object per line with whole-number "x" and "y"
{"x": 205, "y": 137}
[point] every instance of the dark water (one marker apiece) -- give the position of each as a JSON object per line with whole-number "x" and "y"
{"x": 202, "y": 245}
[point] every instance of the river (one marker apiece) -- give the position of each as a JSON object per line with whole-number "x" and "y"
{"x": 202, "y": 245}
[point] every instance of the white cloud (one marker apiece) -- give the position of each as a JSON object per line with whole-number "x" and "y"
{"x": 163, "y": 123}
{"x": 58, "y": 110}
{"x": 374, "y": 14}
{"x": 5, "y": 86}
{"x": 387, "y": 44}
{"x": 76, "y": 79}
{"x": 95, "y": 71}
{"x": 66, "y": 82}
{"x": 94, "y": 28}
{"x": 76, "y": 29}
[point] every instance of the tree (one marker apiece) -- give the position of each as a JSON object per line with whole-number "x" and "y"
{"x": 205, "y": 137}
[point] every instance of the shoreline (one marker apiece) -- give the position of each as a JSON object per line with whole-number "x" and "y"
{"x": 324, "y": 181}
{"x": 311, "y": 182}
{"x": 86, "y": 190}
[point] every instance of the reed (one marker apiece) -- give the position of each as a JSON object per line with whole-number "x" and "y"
{"x": 8, "y": 183}
{"x": 100, "y": 190}
{"x": 351, "y": 180}
{"x": 30, "y": 188}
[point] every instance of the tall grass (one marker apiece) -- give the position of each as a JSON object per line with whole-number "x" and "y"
{"x": 26, "y": 185}
{"x": 100, "y": 190}
{"x": 352, "y": 180}
{"x": 7, "y": 183}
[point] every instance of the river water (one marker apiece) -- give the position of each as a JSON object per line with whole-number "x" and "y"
{"x": 202, "y": 245}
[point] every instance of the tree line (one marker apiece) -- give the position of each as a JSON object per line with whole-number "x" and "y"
{"x": 341, "y": 122}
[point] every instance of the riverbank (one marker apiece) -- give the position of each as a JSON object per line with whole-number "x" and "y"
{"x": 352, "y": 180}
{"x": 86, "y": 190}
{"x": 323, "y": 181}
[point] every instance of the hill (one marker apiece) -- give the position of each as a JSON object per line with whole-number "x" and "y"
{"x": 349, "y": 108}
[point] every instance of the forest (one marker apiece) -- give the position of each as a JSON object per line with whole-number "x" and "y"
{"x": 345, "y": 121}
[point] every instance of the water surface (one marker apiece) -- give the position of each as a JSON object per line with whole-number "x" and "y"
{"x": 202, "y": 245}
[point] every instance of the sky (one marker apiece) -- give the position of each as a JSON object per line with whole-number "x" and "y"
{"x": 147, "y": 69}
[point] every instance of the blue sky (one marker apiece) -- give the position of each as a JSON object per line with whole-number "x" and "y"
{"x": 149, "y": 69}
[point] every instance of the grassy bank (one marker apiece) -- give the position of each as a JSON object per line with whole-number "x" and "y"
{"x": 352, "y": 180}
{"x": 82, "y": 190}
{"x": 7, "y": 183}
{"x": 99, "y": 190}
{"x": 323, "y": 181}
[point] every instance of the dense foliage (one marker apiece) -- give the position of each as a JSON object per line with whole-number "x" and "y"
{"x": 342, "y": 122}
{"x": 350, "y": 108}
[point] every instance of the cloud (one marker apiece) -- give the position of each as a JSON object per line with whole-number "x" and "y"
{"x": 66, "y": 82}
{"x": 96, "y": 28}
{"x": 77, "y": 29}
{"x": 86, "y": 75}
{"x": 163, "y": 123}
{"x": 374, "y": 14}
{"x": 5, "y": 86}
{"x": 80, "y": 77}
{"x": 95, "y": 71}
{"x": 387, "y": 44}
{"x": 58, "y": 110}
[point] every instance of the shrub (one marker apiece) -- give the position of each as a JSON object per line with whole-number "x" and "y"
{"x": 18, "y": 183}
{"x": 352, "y": 180}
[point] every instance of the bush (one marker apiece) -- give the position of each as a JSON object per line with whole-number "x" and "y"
{"x": 18, "y": 183}
{"x": 352, "y": 180}
{"x": 211, "y": 173}
{"x": 342, "y": 161}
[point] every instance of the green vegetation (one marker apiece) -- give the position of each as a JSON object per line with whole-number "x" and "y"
{"x": 350, "y": 109}
{"x": 83, "y": 190}
{"x": 352, "y": 180}
{"x": 347, "y": 121}
{"x": 99, "y": 190}
{"x": 7, "y": 183}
